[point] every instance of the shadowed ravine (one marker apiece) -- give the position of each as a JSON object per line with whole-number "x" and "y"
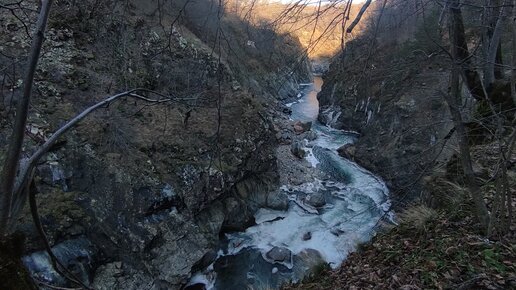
{"x": 304, "y": 236}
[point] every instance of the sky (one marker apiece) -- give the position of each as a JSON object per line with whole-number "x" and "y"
{"x": 317, "y": 1}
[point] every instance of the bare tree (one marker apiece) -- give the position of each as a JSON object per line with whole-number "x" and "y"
{"x": 8, "y": 186}
{"x": 513, "y": 75}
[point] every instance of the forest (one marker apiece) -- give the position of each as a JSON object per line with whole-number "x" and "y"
{"x": 257, "y": 144}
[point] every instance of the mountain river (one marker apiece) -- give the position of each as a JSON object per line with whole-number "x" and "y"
{"x": 284, "y": 245}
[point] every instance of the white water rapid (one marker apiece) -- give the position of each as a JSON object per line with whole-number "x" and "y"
{"x": 304, "y": 236}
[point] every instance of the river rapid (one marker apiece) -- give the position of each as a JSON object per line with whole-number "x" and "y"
{"x": 285, "y": 245}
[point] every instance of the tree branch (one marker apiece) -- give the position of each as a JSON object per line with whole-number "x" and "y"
{"x": 359, "y": 16}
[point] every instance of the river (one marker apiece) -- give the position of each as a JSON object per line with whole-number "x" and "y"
{"x": 355, "y": 200}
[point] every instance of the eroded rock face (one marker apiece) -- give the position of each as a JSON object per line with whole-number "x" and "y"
{"x": 400, "y": 117}
{"x": 149, "y": 187}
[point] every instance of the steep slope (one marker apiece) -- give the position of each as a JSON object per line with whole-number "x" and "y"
{"x": 389, "y": 86}
{"x": 137, "y": 194}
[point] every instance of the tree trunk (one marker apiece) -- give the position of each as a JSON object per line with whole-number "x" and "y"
{"x": 8, "y": 175}
{"x": 495, "y": 47}
{"x": 513, "y": 74}
{"x": 458, "y": 53}
{"x": 453, "y": 102}
{"x": 359, "y": 16}
{"x": 498, "y": 69}
{"x": 462, "y": 56}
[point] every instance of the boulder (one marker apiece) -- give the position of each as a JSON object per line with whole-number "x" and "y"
{"x": 315, "y": 199}
{"x": 297, "y": 149}
{"x": 301, "y": 127}
{"x": 347, "y": 151}
{"x": 311, "y": 136}
{"x": 277, "y": 200}
{"x": 279, "y": 254}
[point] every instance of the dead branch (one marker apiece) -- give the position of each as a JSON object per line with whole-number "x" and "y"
{"x": 359, "y": 16}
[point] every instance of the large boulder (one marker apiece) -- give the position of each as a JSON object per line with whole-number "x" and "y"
{"x": 310, "y": 136}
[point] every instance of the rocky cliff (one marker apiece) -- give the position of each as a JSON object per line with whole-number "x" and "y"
{"x": 393, "y": 99}
{"x": 137, "y": 195}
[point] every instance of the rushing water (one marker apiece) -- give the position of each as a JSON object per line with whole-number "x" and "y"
{"x": 305, "y": 236}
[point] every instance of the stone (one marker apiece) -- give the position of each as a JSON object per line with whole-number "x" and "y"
{"x": 307, "y": 236}
{"x": 307, "y": 262}
{"x": 279, "y": 254}
{"x": 336, "y": 231}
{"x": 347, "y": 151}
{"x": 297, "y": 149}
{"x": 277, "y": 200}
{"x": 301, "y": 127}
{"x": 316, "y": 199}
{"x": 205, "y": 261}
{"x": 311, "y": 136}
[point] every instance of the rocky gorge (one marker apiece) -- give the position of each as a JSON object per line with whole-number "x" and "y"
{"x": 137, "y": 196}
{"x": 235, "y": 163}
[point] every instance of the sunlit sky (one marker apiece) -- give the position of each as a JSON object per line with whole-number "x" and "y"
{"x": 316, "y": 1}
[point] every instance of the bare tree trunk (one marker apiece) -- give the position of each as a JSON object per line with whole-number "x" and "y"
{"x": 453, "y": 101}
{"x": 8, "y": 175}
{"x": 494, "y": 46}
{"x": 498, "y": 69}
{"x": 462, "y": 56}
{"x": 513, "y": 74}
{"x": 458, "y": 52}
{"x": 359, "y": 16}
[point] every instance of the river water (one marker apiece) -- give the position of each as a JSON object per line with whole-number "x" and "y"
{"x": 306, "y": 236}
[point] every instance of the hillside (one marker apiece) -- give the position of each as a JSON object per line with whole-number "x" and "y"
{"x": 390, "y": 85}
{"x": 242, "y": 144}
{"x": 318, "y": 26}
{"x": 137, "y": 187}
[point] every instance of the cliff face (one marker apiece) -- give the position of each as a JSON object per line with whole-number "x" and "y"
{"x": 393, "y": 98}
{"x": 137, "y": 194}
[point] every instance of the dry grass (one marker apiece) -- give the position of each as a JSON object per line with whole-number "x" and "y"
{"x": 418, "y": 217}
